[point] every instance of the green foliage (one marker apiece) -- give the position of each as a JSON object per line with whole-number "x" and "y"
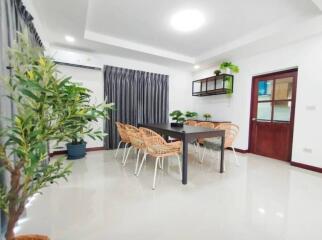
{"x": 48, "y": 108}
{"x": 207, "y": 116}
{"x": 229, "y": 65}
{"x": 191, "y": 115}
{"x": 3, "y": 199}
{"x": 81, "y": 113}
{"x": 177, "y": 116}
{"x": 229, "y": 85}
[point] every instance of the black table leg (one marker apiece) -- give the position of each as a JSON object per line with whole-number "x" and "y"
{"x": 222, "y": 155}
{"x": 185, "y": 161}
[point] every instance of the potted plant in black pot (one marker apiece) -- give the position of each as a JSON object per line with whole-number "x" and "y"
{"x": 178, "y": 117}
{"x": 78, "y": 105}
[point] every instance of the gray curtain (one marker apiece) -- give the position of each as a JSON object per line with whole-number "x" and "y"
{"x": 13, "y": 17}
{"x": 139, "y": 97}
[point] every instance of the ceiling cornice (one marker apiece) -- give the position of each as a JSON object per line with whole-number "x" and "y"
{"x": 318, "y": 3}
{"x": 290, "y": 30}
{"x": 113, "y": 41}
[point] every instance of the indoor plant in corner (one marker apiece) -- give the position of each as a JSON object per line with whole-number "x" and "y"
{"x": 40, "y": 99}
{"x": 78, "y": 101}
{"x": 178, "y": 117}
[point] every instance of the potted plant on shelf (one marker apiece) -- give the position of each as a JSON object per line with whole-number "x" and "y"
{"x": 78, "y": 101}
{"x": 40, "y": 99}
{"x": 207, "y": 116}
{"x": 229, "y": 67}
{"x": 217, "y": 72}
{"x": 178, "y": 117}
{"x": 191, "y": 115}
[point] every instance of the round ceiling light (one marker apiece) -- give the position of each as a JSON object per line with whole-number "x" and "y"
{"x": 187, "y": 20}
{"x": 69, "y": 39}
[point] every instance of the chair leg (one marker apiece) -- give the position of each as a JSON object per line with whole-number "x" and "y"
{"x": 127, "y": 155}
{"x": 155, "y": 172}
{"x": 179, "y": 164}
{"x": 195, "y": 147}
{"x": 143, "y": 159}
{"x": 162, "y": 163}
{"x": 137, "y": 161}
{"x": 159, "y": 164}
{"x": 236, "y": 158}
{"x": 117, "y": 150}
{"x": 198, "y": 149}
{"x": 203, "y": 155}
{"x": 124, "y": 152}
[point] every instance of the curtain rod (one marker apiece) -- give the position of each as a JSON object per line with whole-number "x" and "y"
{"x": 78, "y": 65}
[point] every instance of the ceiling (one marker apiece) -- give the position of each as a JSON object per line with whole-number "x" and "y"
{"x": 141, "y": 29}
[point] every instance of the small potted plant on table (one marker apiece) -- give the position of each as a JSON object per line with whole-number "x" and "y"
{"x": 178, "y": 117}
{"x": 191, "y": 115}
{"x": 207, "y": 116}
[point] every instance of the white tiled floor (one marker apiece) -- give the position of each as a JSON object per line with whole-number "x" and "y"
{"x": 263, "y": 199}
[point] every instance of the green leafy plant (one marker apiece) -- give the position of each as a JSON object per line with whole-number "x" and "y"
{"x": 229, "y": 65}
{"x": 78, "y": 105}
{"x": 191, "y": 115}
{"x": 177, "y": 116}
{"x": 207, "y": 116}
{"x": 217, "y": 72}
{"x": 44, "y": 112}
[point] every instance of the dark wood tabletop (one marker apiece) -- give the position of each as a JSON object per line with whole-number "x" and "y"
{"x": 187, "y": 134}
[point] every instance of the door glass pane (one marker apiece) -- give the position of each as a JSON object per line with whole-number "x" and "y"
{"x": 283, "y": 88}
{"x": 282, "y": 111}
{"x": 265, "y": 90}
{"x": 264, "y": 111}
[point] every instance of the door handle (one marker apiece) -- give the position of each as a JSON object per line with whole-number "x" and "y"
{"x": 254, "y": 119}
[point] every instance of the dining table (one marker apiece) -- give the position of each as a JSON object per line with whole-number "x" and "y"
{"x": 188, "y": 134}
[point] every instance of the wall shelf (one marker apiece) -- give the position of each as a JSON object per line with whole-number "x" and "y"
{"x": 215, "y": 85}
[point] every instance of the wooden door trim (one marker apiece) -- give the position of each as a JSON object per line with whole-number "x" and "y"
{"x": 294, "y": 90}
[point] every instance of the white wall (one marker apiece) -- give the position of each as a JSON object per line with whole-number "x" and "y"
{"x": 179, "y": 79}
{"x": 307, "y": 56}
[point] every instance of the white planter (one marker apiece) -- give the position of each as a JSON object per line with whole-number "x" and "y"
{"x": 227, "y": 71}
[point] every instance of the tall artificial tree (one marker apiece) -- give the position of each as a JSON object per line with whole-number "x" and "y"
{"x": 47, "y": 108}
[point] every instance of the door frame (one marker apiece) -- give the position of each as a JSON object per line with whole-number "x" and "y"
{"x": 292, "y": 122}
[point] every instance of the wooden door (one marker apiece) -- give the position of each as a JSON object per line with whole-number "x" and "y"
{"x": 272, "y": 114}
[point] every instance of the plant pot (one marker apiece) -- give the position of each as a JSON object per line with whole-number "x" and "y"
{"x": 31, "y": 237}
{"x": 178, "y": 125}
{"x": 76, "y": 151}
{"x": 227, "y": 70}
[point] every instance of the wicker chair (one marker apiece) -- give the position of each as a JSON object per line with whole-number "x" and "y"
{"x": 191, "y": 123}
{"x": 137, "y": 143}
{"x": 158, "y": 148}
{"x": 205, "y": 125}
{"x": 231, "y": 132}
{"x": 31, "y": 237}
{"x": 124, "y": 138}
